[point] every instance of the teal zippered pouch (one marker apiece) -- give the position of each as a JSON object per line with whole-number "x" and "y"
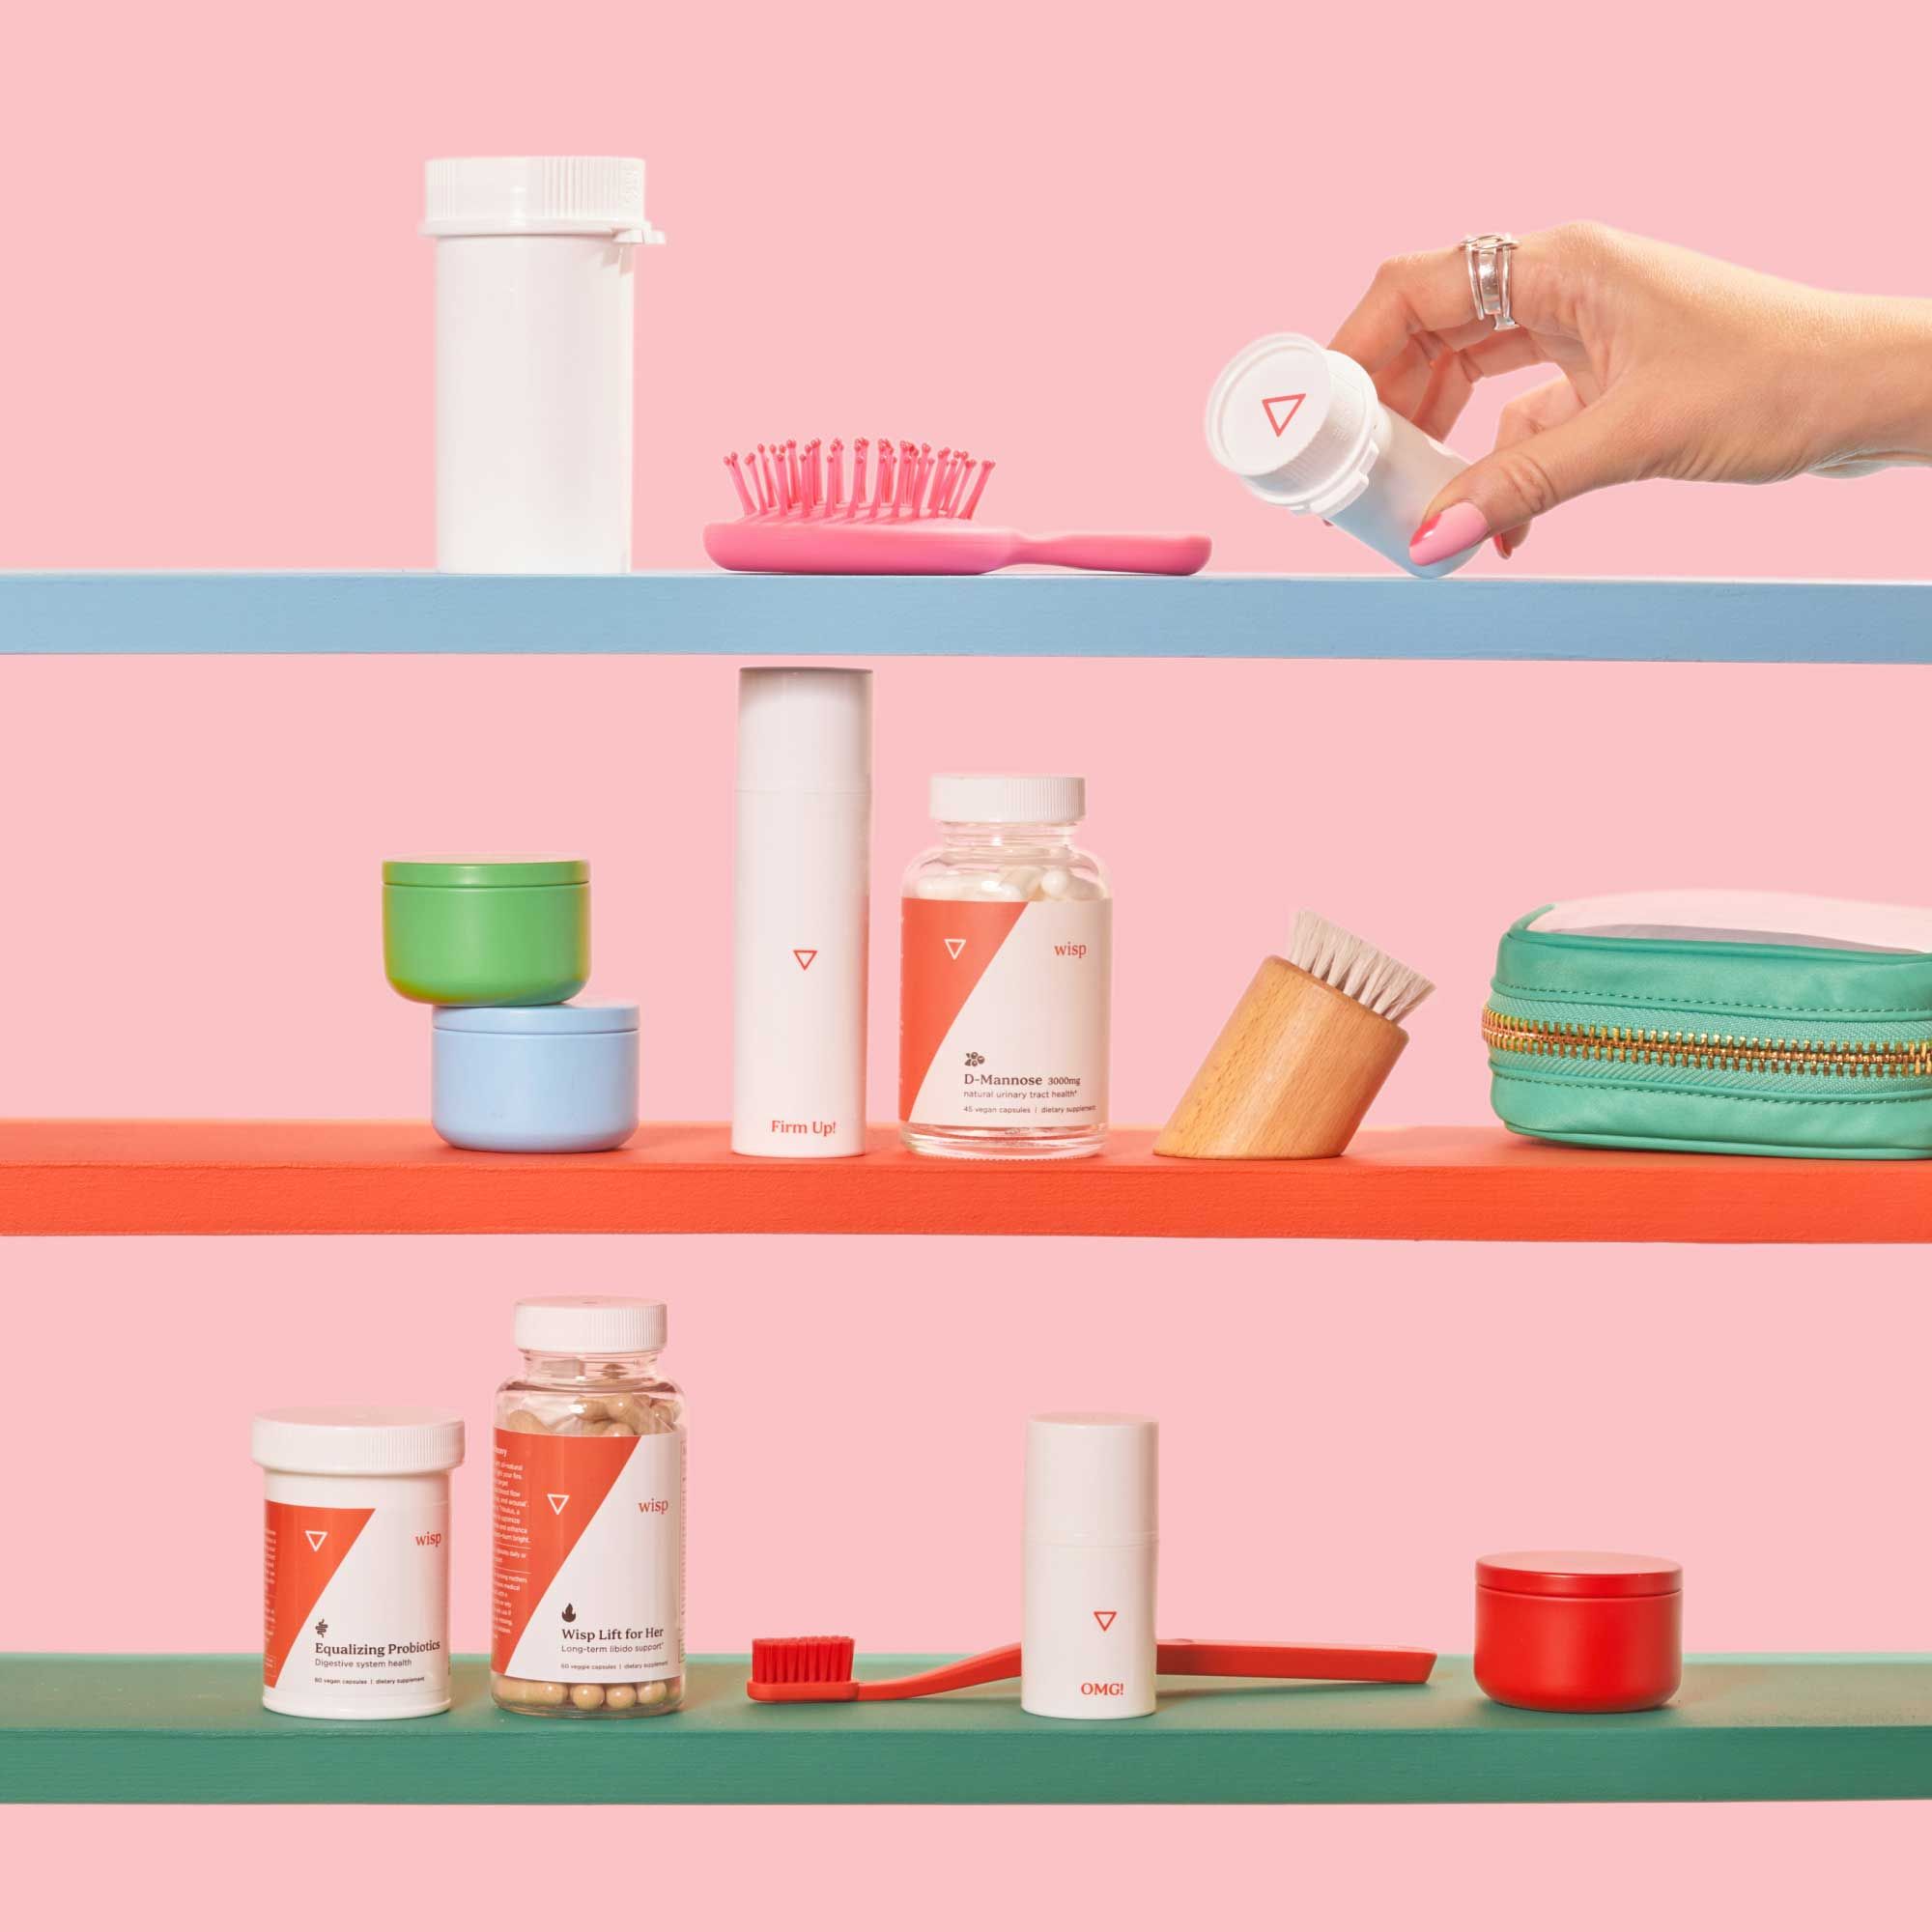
{"x": 1722, "y": 1022}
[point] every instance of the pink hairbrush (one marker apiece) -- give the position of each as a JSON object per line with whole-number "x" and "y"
{"x": 914, "y": 518}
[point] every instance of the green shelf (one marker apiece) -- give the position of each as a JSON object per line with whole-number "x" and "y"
{"x": 188, "y": 1730}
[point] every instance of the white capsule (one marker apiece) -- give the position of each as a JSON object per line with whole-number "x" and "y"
{"x": 1024, "y": 880}
{"x": 1055, "y": 883}
{"x": 994, "y": 887}
{"x": 1078, "y": 888}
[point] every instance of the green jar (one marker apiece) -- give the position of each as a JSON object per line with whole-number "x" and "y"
{"x": 487, "y": 933}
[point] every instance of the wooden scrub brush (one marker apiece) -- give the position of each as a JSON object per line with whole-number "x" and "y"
{"x": 1302, "y": 1055}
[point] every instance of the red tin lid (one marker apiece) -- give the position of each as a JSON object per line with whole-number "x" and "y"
{"x": 1578, "y": 1573}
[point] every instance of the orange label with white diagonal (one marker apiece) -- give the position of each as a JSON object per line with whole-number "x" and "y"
{"x": 588, "y": 1576}
{"x": 1004, "y": 1012}
{"x": 303, "y": 1548}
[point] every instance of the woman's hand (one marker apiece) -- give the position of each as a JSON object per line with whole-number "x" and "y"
{"x": 1671, "y": 364}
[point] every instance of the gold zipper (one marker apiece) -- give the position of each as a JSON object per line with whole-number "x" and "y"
{"x": 1708, "y": 1052}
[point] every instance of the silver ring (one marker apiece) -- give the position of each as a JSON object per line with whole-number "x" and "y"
{"x": 1487, "y": 259}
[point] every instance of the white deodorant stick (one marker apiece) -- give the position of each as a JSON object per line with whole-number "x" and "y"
{"x": 1302, "y": 426}
{"x": 1092, "y": 1536}
{"x": 804, "y": 885}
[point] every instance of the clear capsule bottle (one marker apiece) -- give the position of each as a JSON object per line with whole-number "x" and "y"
{"x": 1005, "y": 978}
{"x": 587, "y": 1573}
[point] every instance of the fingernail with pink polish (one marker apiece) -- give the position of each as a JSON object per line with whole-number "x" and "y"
{"x": 1451, "y": 530}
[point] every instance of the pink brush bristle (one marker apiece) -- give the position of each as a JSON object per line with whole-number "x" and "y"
{"x": 786, "y": 479}
{"x": 802, "y": 1660}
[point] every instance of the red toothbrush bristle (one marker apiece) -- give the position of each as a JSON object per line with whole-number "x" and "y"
{"x": 802, "y": 1660}
{"x": 784, "y": 478}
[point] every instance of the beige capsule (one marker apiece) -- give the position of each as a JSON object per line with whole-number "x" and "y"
{"x": 613, "y": 1429}
{"x": 620, "y": 1696}
{"x": 525, "y": 1422}
{"x": 631, "y": 1410}
{"x": 587, "y": 1696}
{"x": 525, "y": 1691}
{"x": 651, "y": 1694}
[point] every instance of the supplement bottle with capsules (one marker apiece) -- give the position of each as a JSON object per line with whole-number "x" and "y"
{"x": 588, "y": 1586}
{"x": 1005, "y": 975}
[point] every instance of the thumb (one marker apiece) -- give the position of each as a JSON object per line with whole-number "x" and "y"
{"x": 1509, "y": 486}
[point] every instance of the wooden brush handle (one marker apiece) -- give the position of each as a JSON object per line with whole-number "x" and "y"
{"x": 1291, "y": 1076}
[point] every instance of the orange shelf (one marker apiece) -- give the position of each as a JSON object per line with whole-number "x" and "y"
{"x": 1406, "y": 1184}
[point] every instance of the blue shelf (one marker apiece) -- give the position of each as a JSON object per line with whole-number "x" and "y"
{"x": 710, "y": 613}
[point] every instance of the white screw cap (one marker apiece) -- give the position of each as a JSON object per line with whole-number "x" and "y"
{"x": 525, "y": 194}
{"x": 589, "y": 1324}
{"x": 1300, "y": 425}
{"x": 356, "y": 1440}
{"x": 1007, "y": 798}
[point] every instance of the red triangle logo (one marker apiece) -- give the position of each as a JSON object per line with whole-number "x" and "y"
{"x": 804, "y": 956}
{"x": 1280, "y": 423}
{"x": 1105, "y": 1618}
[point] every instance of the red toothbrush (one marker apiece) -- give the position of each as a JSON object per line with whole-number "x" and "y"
{"x": 818, "y": 1669}
{"x": 912, "y": 516}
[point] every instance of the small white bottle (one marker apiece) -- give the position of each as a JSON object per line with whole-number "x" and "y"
{"x": 1087, "y": 1645}
{"x": 1302, "y": 426}
{"x": 1006, "y": 975}
{"x": 803, "y": 920}
{"x": 355, "y": 1559}
{"x": 534, "y": 355}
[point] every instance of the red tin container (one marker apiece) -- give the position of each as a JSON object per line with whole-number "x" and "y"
{"x": 1578, "y": 1629}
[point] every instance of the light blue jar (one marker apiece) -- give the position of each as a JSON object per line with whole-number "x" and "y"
{"x": 535, "y": 1079}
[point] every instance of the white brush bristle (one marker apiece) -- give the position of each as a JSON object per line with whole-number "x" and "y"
{"x": 1352, "y": 966}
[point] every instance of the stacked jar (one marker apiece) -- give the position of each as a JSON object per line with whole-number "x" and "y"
{"x": 501, "y": 947}
{"x": 587, "y": 1581}
{"x": 1006, "y": 975}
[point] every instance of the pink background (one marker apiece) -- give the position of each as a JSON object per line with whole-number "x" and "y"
{"x": 215, "y": 350}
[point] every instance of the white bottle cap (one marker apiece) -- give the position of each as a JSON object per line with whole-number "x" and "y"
{"x": 354, "y": 1439}
{"x": 589, "y": 1324}
{"x": 805, "y": 730}
{"x": 526, "y": 194}
{"x": 1092, "y": 1479}
{"x": 1007, "y": 798}
{"x": 1300, "y": 425}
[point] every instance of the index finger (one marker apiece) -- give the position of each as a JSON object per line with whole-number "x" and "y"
{"x": 1412, "y": 296}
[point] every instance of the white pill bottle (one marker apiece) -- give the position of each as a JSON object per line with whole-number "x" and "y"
{"x": 1302, "y": 427}
{"x": 803, "y": 886}
{"x": 1006, "y": 975}
{"x": 1088, "y": 1647}
{"x": 536, "y": 307}
{"x": 587, "y": 1495}
{"x": 355, "y": 1559}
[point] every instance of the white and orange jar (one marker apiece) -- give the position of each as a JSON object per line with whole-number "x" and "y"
{"x": 587, "y": 1581}
{"x": 355, "y": 1559}
{"x": 1005, "y": 976}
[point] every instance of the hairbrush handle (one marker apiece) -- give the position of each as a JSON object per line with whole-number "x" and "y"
{"x": 1084, "y": 549}
{"x": 1340, "y": 1663}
